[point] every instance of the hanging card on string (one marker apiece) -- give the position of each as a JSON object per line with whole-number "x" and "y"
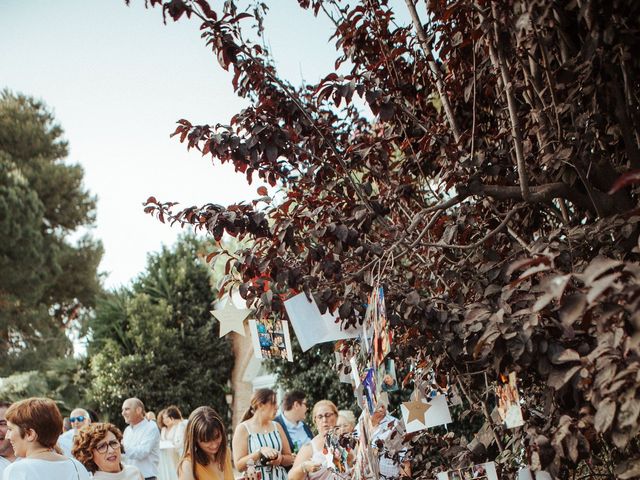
{"x": 270, "y": 338}
{"x": 311, "y": 326}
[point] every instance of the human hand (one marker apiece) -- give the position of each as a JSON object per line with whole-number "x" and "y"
{"x": 310, "y": 467}
{"x": 268, "y": 454}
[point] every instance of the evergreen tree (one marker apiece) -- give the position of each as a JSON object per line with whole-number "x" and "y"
{"x": 157, "y": 341}
{"x": 48, "y": 281}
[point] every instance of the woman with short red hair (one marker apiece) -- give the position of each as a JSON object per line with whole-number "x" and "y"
{"x": 33, "y": 428}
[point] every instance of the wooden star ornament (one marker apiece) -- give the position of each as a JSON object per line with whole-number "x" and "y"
{"x": 231, "y": 318}
{"x": 416, "y": 410}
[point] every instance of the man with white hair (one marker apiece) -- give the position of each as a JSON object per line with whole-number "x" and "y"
{"x": 79, "y": 418}
{"x": 7, "y": 456}
{"x": 141, "y": 439}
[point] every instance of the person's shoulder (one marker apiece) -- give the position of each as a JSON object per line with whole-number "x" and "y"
{"x": 243, "y": 427}
{"x": 83, "y": 473}
{"x": 18, "y": 465}
{"x": 151, "y": 426}
{"x": 186, "y": 468}
{"x": 131, "y": 471}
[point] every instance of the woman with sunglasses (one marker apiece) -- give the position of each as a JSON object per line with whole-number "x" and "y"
{"x": 33, "y": 428}
{"x": 206, "y": 454}
{"x": 311, "y": 461}
{"x": 98, "y": 447}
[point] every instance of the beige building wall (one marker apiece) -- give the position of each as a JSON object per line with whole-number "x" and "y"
{"x": 248, "y": 375}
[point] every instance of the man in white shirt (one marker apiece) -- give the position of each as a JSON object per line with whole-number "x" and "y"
{"x": 7, "y": 456}
{"x": 141, "y": 439}
{"x": 79, "y": 418}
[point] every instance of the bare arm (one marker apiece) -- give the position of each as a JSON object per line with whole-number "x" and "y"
{"x": 286, "y": 458}
{"x": 186, "y": 472}
{"x": 240, "y": 449}
{"x": 304, "y": 455}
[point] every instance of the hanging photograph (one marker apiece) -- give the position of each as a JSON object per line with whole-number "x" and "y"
{"x": 270, "y": 338}
{"x": 366, "y": 466}
{"x": 509, "y": 401}
{"x": 369, "y": 324}
{"x": 481, "y": 471}
{"x": 344, "y": 354}
{"x": 387, "y": 378}
{"x": 382, "y": 334}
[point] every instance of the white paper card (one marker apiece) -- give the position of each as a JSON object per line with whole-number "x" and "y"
{"x": 311, "y": 327}
{"x": 437, "y": 414}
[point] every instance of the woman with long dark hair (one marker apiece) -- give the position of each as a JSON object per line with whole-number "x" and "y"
{"x": 206, "y": 454}
{"x": 258, "y": 440}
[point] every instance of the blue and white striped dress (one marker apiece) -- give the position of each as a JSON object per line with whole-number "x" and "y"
{"x": 270, "y": 439}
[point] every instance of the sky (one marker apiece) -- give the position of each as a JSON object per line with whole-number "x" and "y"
{"x": 117, "y": 80}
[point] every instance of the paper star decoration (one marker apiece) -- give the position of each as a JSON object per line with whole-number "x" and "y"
{"x": 231, "y": 319}
{"x": 417, "y": 410}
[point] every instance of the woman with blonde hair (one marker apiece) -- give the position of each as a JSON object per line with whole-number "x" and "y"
{"x": 258, "y": 440}
{"x": 311, "y": 461}
{"x": 98, "y": 447}
{"x": 206, "y": 454}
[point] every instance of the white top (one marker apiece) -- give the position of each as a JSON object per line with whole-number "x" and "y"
{"x": 38, "y": 469}
{"x": 4, "y": 463}
{"x": 65, "y": 441}
{"x": 129, "y": 472}
{"x": 142, "y": 447}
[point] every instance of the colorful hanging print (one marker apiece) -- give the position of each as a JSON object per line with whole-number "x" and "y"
{"x": 270, "y": 338}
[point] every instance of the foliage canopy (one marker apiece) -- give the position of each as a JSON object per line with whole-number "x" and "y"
{"x": 493, "y": 194}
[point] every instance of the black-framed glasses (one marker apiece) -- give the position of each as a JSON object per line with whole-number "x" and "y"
{"x": 79, "y": 418}
{"x": 322, "y": 416}
{"x": 104, "y": 446}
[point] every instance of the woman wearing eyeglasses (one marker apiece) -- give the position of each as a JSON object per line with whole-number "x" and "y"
{"x": 98, "y": 447}
{"x": 311, "y": 461}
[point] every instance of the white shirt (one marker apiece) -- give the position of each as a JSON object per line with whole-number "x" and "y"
{"x": 4, "y": 463}
{"x": 141, "y": 444}
{"x": 37, "y": 469}
{"x": 65, "y": 441}
{"x": 129, "y": 472}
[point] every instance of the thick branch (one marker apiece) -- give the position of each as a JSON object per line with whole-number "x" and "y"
{"x": 497, "y": 58}
{"x": 424, "y": 42}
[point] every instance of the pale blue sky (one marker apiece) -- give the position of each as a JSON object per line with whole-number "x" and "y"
{"x": 117, "y": 79}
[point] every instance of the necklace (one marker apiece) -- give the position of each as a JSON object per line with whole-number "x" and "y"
{"x": 40, "y": 452}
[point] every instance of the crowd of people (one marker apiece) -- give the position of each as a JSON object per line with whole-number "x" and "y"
{"x": 266, "y": 445}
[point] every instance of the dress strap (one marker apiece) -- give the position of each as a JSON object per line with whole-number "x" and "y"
{"x": 247, "y": 427}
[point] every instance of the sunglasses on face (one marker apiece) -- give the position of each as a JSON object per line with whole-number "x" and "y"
{"x": 79, "y": 418}
{"x": 104, "y": 446}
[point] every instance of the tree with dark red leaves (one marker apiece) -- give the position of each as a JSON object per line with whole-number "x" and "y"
{"x": 492, "y": 190}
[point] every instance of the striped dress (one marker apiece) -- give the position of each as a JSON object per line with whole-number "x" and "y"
{"x": 270, "y": 439}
